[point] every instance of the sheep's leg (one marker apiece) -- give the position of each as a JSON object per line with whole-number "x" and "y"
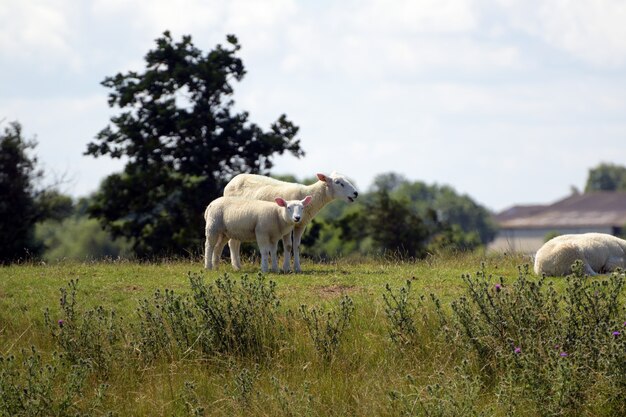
{"x": 217, "y": 248}
{"x": 613, "y": 263}
{"x": 234, "y": 247}
{"x": 274, "y": 254}
{"x": 589, "y": 271}
{"x": 209, "y": 247}
{"x": 264, "y": 247}
{"x": 287, "y": 246}
{"x": 297, "y": 237}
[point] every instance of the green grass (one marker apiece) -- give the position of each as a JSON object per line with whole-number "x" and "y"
{"x": 437, "y": 371}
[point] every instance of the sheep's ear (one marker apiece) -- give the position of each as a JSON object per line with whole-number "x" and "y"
{"x": 281, "y": 202}
{"x": 307, "y": 200}
{"x": 322, "y": 177}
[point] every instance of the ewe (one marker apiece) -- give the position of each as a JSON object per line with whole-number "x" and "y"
{"x": 247, "y": 220}
{"x": 599, "y": 253}
{"x": 259, "y": 187}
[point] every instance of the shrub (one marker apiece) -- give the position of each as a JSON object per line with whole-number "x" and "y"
{"x": 550, "y": 348}
{"x": 35, "y": 388}
{"x": 88, "y": 336}
{"x": 227, "y": 316}
{"x": 327, "y": 328}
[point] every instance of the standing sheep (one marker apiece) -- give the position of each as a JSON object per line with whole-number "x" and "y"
{"x": 599, "y": 253}
{"x": 247, "y": 220}
{"x": 327, "y": 189}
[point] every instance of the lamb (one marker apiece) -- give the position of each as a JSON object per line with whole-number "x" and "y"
{"x": 247, "y": 220}
{"x": 327, "y": 189}
{"x": 599, "y": 252}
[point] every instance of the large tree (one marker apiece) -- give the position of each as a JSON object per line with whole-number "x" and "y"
{"x": 183, "y": 142}
{"x": 606, "y": 177}
{"x": 19, "y": 209}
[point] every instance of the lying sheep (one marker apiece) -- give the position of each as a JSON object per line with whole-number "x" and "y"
{"x": 249, "y": 220}
{"x": 327, "y": 189}
{"x": 599, "y": 252}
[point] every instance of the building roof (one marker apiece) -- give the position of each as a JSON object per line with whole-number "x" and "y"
{"x": 596, "y": 209}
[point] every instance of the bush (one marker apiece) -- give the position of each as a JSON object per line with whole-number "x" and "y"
{"x": 327, "y": 328}
{"x": 227, "y": 316}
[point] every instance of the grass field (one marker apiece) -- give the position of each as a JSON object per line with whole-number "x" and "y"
{"x": 344, "y": 338}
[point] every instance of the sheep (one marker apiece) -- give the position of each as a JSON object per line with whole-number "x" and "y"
{"x": 248, "y": 220}
{"x": 599, "y": 252}
{"x": 327, "y": 189}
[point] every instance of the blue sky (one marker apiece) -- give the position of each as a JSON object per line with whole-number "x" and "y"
{"x": 508, "y": 101}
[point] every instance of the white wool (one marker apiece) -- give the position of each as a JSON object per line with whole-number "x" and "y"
{"x": 247, "y": 220}
{"x": 259, "y": 187}
{"x": 599, "y": 252}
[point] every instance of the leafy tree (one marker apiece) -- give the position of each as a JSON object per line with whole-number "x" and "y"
{"x": 18, "y": 195}
{"x": 390, "y": 223}
{"x": 183, "y": 142}
{"x": 451, "y": 209}
{"x": 606, "y": 177}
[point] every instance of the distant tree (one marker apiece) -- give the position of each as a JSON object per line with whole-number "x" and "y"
{"x": 450, "y": 209}
{"x": 18, "y": 195}
{"x": 389, "y": 182}
{"x": 606, "y": 177}
{"x": 183, "y": 142}
{"x": 390, "y": 223}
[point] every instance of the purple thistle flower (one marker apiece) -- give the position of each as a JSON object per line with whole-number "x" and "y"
{"x": 563, "y": 354}
{"x": 518, "y": 350}
{"x": 61, "y": 321}
{"x": 616, "y": 333}
{"x": 498, "y": 287}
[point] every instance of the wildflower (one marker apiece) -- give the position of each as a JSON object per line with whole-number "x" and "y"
{"x": 563, "y": 354}
{"x": 498, "y": 287}
{"x": 61, "y": 321}
{"x": 518, "y": 350}
{"x": 616, "y": 333}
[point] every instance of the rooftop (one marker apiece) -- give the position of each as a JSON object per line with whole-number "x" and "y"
{"x": 595, "y": 209}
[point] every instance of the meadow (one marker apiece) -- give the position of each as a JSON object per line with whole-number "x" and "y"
{"x": 451, "y": 335}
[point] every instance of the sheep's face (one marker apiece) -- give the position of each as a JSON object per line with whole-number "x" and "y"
{"x": 339, "y": 186}
{"x": 294, "y": 209}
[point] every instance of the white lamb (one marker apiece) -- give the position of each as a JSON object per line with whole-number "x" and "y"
{"x": 249, "y": 220}
{"x": 599, "y": 252}
{"x": 327, "y": 189}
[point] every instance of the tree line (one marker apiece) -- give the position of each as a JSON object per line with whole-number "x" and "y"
{"x": 176, "y": 126}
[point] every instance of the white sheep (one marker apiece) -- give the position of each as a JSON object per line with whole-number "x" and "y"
{"x": 327, "y": 189}
{"x": 599, "y": 252}
{"x": 249, "y": 220}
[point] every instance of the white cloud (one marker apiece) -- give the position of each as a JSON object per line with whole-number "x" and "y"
{"x": 590, "y": 30}
{"x": 39, "y": 32}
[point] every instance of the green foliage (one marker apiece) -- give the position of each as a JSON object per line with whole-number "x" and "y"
{"x": 520, "y": 345}
{"x": 79, "y": 238}
{"x": 606, "y": 177}
{"x": 392, "y": 226}
{"x": 85, "y": 337}
{"x": 554, "y": 346}
{"x": 226, "y": 317}
{"x": 402, "y": 218}
{"x": 18, "y": 195}
{"x": 183, "y": 143}
{"x": 327, "y": 328}
{"x": 36, "y": 388}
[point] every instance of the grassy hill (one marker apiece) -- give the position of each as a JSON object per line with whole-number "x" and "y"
{"x": 449, "y": 335}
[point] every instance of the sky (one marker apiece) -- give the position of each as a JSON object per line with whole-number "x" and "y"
{"x": 507, "y": 101}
